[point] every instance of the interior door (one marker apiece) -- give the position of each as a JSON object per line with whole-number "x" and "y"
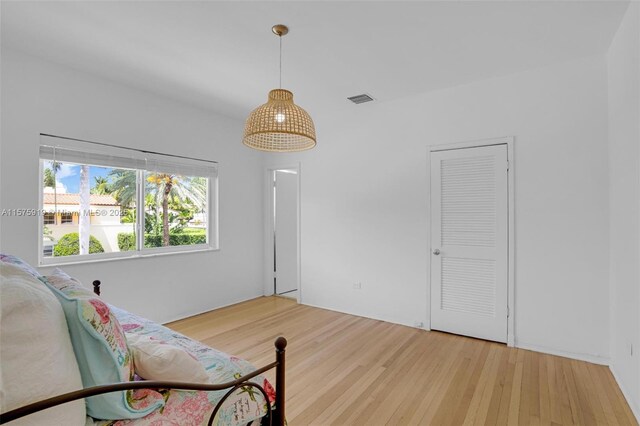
{"x": 286, "y": 232}
{"x": 469, "y": 242}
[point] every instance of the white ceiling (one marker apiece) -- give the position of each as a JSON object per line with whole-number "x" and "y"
{"x": 222, "y": 55}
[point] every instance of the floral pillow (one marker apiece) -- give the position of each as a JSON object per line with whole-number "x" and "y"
{"x": 101, "y": 349}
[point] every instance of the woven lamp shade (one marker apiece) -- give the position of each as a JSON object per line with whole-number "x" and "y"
{"x": 279, "y": 125}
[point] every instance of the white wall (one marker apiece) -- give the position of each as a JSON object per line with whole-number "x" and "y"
{"x": 623, "y": 64}
{"x": 42, "y": 97}
{"x": 364, "y": 202}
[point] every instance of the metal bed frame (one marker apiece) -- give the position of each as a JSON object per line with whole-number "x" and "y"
{"x": 275, "y": 416}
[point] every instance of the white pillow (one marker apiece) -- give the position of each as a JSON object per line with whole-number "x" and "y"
{"x": 154, "y": 360}
{"x": 36, "y": 356}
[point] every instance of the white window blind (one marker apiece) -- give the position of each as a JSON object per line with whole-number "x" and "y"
{"x": 80, "y": 152}
{"x": 180, "y": 166}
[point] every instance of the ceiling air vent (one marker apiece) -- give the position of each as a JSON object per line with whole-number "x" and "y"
{"x": 360, "y": 99}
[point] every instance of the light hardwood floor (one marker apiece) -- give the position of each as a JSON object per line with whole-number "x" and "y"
{"x": 344, "y": 369}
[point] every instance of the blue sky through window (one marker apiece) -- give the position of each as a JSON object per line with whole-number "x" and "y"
{"x": 69, "y": 175}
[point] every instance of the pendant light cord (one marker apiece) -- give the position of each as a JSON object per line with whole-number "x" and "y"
{"x": 280, "y": 39}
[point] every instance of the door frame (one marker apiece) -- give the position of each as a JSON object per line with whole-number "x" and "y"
{"x": 268, "y": 227}
{"x": 509, "y": 141}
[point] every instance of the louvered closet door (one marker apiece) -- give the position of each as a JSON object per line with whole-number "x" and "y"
{"x": 469, "y": 225}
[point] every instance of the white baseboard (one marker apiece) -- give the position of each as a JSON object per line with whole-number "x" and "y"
{"x": 364, "y": 316}
{"x": 632, "y": 404}
{"x": 594, "y": 359}
{"x": 185, "y": 316}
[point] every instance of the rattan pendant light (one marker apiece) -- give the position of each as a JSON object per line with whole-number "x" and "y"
{"x": 279, "y": 125}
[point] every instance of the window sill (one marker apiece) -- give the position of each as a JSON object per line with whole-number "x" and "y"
{"x": 61, "y": 261}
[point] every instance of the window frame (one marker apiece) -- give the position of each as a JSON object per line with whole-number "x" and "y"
{"x": 212, "y": 211}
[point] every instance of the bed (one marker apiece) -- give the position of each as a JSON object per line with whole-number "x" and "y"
{"x": 235, "y": 393}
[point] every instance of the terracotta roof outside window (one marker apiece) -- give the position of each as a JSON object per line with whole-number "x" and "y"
{"x": 94, "y": 199}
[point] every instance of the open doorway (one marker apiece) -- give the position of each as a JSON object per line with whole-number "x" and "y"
{"x": 284, "y": 232}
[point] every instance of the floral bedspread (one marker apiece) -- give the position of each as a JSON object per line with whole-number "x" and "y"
{"x": 193, "y": 408}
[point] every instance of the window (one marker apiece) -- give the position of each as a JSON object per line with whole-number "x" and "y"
{"x": 49, "y": 218}
{"x": 66, "y": 218}
{"x": 114, "y": 202}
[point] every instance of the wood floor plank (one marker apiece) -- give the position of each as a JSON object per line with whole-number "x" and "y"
{"x": 414, "y": 390}
{"x": 577, "y": 414}
{"x": 445, "y": 371}
{"x": 344, "y": 370}
{"x": 607, "y": 408}
{"x": 543, "y": 383}
{"x": 564, "y": 395}
{"x": 457, "y": 388}
{"x": 516, "y": 390}
{"x": 499, "y": 409}
{"x": 624, "y": 415}
{"x": 479, "y": 407}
